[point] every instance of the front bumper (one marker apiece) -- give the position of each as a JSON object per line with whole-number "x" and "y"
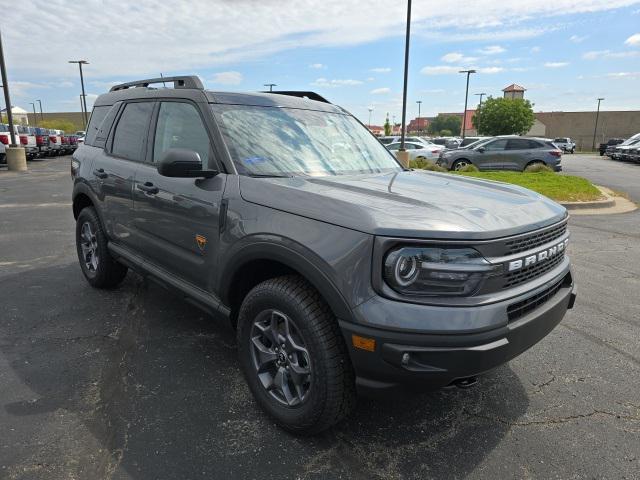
{"x": 428, "y": 361}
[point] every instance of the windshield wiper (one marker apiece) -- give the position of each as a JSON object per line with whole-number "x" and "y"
{"x": 268, "y": 175}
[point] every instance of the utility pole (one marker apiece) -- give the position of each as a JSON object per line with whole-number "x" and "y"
{"x": 370, "y": 110}
{"x": 466, "y": 96}
{"x": 41, "y": 115}
{"x": 84, "y": 95}
{"x": 402, "y": 155}
{"x": 419, "y": 102}
{"x": 595, "y": 129}
{"x": 35, "y": 117}
{"x": 479, "y": 111}
{"x": 270, "y": 85}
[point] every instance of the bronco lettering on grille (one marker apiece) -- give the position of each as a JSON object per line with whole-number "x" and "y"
{"x": 538, "y": 257}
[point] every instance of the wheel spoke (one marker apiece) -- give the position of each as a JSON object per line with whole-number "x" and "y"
{"x": 266, "y": 356}
{"x": 281, "y": 385}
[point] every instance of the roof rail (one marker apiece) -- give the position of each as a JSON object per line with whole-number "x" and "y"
{"x": 185, "y": 81}
{"x": 302, "y": 94}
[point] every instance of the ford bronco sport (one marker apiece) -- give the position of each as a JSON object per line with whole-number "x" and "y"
{"x": 341, "y": 270}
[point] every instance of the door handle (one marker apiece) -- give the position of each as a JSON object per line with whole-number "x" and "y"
{"x": 100, "y": 173}
{"x": 148, "y": 187}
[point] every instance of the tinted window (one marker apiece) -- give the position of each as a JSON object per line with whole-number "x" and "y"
{"x": 393, "y": 146}
{"x": 518, "y": 144}
{"x": 131, "y": 131}
{"x": 496, "y": 145}
{"x": 180, "y": 126}
{"x": 97, "y": 116}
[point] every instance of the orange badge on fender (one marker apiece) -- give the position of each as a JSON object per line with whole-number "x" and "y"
{"x": 201, "y": 240}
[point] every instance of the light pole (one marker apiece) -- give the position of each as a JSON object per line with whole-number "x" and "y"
{"x": 35, "y": 118}
{"x": 84, "y": 95}
{"x": 595, "y": 129}
{"x": 370, "y": 110}
{"x": 41, "y": 115}
{"x": 419, "y": 102}
{"x": 7, "y": 99}
{"x": 393, "y": 125}
{"x": 466, "y": 96}
{"x": 479, "y": 111}
{"x": 405, "y": 156}
{"x": 270, "y": 85}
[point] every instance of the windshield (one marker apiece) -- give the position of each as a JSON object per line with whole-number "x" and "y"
{"x": 273, "y": 141}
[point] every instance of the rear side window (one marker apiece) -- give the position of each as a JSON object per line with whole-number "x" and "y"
{"x": 518, "y": 144}
{"x": 180, "y": 126}
{"x": 131, "y": 131}
{"x": 97, "y": 116}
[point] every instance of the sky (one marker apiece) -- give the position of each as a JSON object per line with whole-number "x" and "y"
{"x": 566, "y": 53}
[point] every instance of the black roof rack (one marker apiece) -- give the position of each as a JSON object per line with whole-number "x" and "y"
{"x": 186, "y": 81}
{"x": 302, "y": 94}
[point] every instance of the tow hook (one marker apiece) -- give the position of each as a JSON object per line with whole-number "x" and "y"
{"x": 466, "y": 382}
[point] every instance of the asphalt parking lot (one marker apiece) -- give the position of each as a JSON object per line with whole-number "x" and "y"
{"x": 137, "y": 384}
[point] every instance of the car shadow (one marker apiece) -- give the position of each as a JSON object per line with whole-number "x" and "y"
{"x": 137, "y": 383}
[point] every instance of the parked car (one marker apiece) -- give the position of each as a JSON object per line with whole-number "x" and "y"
{"x": 55, "y": 142}
{"x": 27, "y": 139}
{"x": 634, "y": 153}
{"x": 623, "y": 151}
{"x": 469, "y": 140}
{"x": 5, "y": 140}
{"x": 448, "y": 142}
{"x": 42, "y": 141}
{"x": 417, "y": 150}
{"x": 396, "y": 138}
{"x": 565, "y": 144}
{"x": 609, "y": 146}
{"x": 341, "y": 273}
{"x": 73, "y": 143}
{"x": 503, "y": 153}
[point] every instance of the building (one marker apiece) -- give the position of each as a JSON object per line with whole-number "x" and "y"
{"x": 514, "y": 91}
{"x": 377, "y": 130}
{"x": 418, "y": 124}
{"x": 20, "y": 115}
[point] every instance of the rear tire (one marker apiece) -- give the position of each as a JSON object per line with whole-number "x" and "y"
{"x": 97, "y": 264}
{"x": 293, "y": 356}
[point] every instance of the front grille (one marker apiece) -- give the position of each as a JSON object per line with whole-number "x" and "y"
{"x": 533, "y": 271}
{"x": 528, "y": 242}
{"x": 519, "y": 309}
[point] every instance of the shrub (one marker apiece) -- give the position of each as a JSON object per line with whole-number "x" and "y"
{"x": 469, "y": 168}
{"x": 423, "y": 164}
{"x": 538, "y": 167}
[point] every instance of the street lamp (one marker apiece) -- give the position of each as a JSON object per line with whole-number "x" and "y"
{"x": 419, "y": 102}
{"x": 84, "y": 96}
{"x": 466, "y": 96}
{"x": 35, "y": 118}
{"x": 370, "y": 110}
{"x": 595, "y": 129}
{"x": 41, "y": 115}
{"x": 479, "y": 111}
{"x": 7, "y": 99}
{"x": 404, "y": 88}
{"x": 270, "y": 85}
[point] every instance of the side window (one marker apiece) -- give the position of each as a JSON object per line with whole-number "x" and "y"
{"x": 180, "y": 126}
{"x": 518, "y": 144}
{"x": 534, "y": 144}
{"x": 131, "y": 131}
{"x": 97, "y": 116}
{"x": 496, "y": 145}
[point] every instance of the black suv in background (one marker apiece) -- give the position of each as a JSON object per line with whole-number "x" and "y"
{"x": 341, "y": 270}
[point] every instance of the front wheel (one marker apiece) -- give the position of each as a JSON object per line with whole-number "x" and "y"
{"x": 293, "y": 356}
{"x": 460, "y": 164}
{"x": 98, "y": 267}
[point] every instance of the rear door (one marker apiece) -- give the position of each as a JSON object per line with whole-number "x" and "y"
{"x": 493, "y": 157}
{"x": 177, "y": 219}
{"x": 114, "y": 167}
{"x": 520, "y": 152}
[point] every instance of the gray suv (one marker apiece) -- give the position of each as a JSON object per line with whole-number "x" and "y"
{"x": 341, "y": 271}
{"x": 504, "y": 153}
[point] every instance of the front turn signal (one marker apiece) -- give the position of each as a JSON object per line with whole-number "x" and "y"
{"x": 363, "y": 343}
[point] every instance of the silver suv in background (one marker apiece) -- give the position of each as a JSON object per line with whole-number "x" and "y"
{"x": 565, "y": 144}
{"x": 503, "y": 153}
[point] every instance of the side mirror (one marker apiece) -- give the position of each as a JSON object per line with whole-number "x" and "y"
{"x": 183, "y": 163}
{"x": 481, "y": 149}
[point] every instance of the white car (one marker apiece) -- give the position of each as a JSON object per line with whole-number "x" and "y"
{"x": 424, "y": 150}
{"x": 565, "y": 144}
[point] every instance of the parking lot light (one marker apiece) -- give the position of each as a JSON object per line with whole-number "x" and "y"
{"x": 466, "y": 96}
{"x": 41, "y": 115}
{"x": 270, "y": 85}
{"x": 84, "y": 95}
{"x": 595, "y": 128}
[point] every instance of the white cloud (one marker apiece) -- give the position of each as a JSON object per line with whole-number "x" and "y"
{"x": 440, "y": 70}
{"x": 578, "y": 38}
{"x": 556, "y": 64}
{"x": 456, "y": 57}
{"x": 624, "y": 75}
{"x": 490, "y": 70}
{"x": 380, "y": 91}
{"x": 598, "y": 54}
{"x": 317, "y": 66}
{"x": 535, "y": 49}
{"x": 492, "y": 50}
{"x": 381, "y": 70}
{"x": 633, "y": 40}
{"x": 324, "y": 82}
{"x": 227, "y": 78}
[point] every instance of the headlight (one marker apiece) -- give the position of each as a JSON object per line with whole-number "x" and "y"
{"x": 434, "y": 271}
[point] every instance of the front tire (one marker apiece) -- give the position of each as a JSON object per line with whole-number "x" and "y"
{"x": 293, "y": 356}
{"x": 97, "y": 264}
{"x": 460, "y": 164}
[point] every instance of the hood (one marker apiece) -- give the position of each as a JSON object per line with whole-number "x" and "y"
{"x": 408, "y": 204}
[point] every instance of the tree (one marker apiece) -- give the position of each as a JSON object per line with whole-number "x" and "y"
{"x": 387, "y": 126}
{"x": 452, "y": 123}
{"x": 446, "y": 133}
{"x": 504, "y": 116}
{"x": 64, "y": 125}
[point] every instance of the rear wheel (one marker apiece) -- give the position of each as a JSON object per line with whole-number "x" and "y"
{"x": 97, "y": 264}
{"x": 293, "y": 356}
{"x": 460, "y": 164}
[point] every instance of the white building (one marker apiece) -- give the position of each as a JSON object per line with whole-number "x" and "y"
{"x": 19, "y": 115}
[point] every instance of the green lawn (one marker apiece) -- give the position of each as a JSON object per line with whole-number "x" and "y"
{"x": 562, "y": 188}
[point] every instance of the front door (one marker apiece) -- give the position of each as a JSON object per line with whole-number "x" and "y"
{"x": 177, "y": 219}
{"x": 492, "y": 155}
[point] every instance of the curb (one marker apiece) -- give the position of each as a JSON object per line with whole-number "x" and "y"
{"x": 608, "y": 202}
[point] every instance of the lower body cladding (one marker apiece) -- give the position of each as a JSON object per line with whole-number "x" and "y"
{"x": 386, "y": 360}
